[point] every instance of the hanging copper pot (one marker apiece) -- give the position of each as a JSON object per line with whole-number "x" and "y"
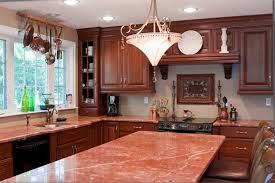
{"x": 28, "y": 36}
{"x": 58, "y": 43}
{"x": 46, "y": 44}
{"x": 50, "y": 57}
{"x": 37, "y": 43}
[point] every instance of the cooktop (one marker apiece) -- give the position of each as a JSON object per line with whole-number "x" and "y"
{"x": 188, "y": 120}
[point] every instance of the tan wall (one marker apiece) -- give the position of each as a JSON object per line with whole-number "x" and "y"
{"x": 249, "y": 107}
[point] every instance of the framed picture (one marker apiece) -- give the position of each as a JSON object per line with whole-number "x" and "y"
{"x": 195, "y": 89}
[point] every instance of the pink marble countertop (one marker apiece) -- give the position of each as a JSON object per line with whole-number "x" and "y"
{"x": 240, "y": 123}
{"x": 138, "y": 157}
{"x": 20, "y": 132}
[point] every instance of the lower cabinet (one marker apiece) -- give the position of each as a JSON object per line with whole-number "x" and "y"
{"x": 96, "y": 132}
{"x": 126, "y": 128}
{"x": 6, "y": 161}
{"x": 110, "y": 131}
{"x": 69, "y": 149}
{"x": 238, "y": 143}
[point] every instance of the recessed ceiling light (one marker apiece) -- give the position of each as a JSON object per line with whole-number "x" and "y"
{"x": 71, "y": 2}
{"x": 190, "y": 10}
{"x": 108, "y": 18}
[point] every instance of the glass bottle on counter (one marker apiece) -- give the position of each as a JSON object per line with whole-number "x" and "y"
{"x": 25, "y": 101}
{"x": 32, "y": 102}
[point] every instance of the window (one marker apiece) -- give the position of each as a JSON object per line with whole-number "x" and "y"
{"x": 30, "y": 70}
{"x": 60, "y": 80}
{"x": 3, "y": 100}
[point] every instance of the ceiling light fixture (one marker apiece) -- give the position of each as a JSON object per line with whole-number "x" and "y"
{"x": 71, "y": 2}
{"x": 155, "y": 43}
{"x": 108, "y": 18}
{"x": 190, "y": 10}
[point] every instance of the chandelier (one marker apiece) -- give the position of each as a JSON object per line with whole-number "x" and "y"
{"x": 153, "y": 44}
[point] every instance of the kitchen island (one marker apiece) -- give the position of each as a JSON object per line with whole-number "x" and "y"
{"x": 138, "y": 157}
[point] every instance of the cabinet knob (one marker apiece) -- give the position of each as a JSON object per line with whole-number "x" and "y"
{"x": 125, "y": 79}
{"x": 76, "y": 150}
{"x": 121, "y": 80}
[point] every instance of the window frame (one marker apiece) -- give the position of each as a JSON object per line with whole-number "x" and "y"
{"x": 4, "y": 74}
{"x": 13, "y": 35}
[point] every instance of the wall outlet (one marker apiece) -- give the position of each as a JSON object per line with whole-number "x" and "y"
{"x": 268, "y": 102}
{"x": 146, "y": 100}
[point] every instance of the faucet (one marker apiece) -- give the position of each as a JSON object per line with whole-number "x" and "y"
{"x": 49, "y": 116}
{"x": 28, "y": 120}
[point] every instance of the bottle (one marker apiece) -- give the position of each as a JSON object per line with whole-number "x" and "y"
{"x": 25, "y": 101}
{"x": 32, "y": 102}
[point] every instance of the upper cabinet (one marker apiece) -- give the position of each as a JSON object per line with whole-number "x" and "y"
{"x": 91, "y": 103}
{"x": 256, "y": 55}
{"x": 123, "y": 68}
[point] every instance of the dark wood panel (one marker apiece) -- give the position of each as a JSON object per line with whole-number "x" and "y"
{"x": 136, "y": 69}
{"x": 232, "y": 40}
{"x": 134, "y": 127}
{"x": 239, "y": 132}
{"x": 111, "y": 63}
{"x": 74, "y": 147}
{"x": 72, "y": 135}
{"x": 110, "y": 131}
{"x": 238, "y": 148}
{"x": 92, "y": 111}
{"x": 255, "y": 69}
{"x": 96, "y": 134}
{"x": 6, "y": 168}
{"x": 5, "y": 150}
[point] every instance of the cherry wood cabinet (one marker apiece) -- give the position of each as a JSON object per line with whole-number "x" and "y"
{"x": 6, "y": 161}
{"x": 90, "y": 101}
{"x": 124, "y": 68}
{"x": 238, "y": 143}
{"x": 110, "y": 131}
{"x": 96, "y": 132}
{"x": 126, "y": 128}
{"x": 256, "y": 60}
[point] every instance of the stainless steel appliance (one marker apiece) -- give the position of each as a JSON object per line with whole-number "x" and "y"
{"x": 112, "y": 107}
{"x": 189, "y": 125}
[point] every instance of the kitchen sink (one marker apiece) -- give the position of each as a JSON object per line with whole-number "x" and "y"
{"x": 52, "y": 125}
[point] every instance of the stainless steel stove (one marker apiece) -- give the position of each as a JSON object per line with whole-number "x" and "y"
{"x": 181, "y": 125}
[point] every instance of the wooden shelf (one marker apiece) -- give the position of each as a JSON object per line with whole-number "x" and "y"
{"x": 214, "y": 58}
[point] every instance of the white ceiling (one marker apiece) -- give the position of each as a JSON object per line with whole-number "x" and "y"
{"x": 88, "y": 12}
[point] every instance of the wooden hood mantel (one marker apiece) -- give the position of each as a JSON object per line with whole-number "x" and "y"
{"x": 227, "y": 59}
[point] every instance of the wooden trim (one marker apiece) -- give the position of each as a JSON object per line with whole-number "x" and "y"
{"x": 213, "y": 58}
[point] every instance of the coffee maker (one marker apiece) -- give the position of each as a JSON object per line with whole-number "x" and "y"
{"x": 112, "y": 105}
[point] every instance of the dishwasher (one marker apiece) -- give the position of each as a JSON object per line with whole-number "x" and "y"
{"x": 31, "y": 153}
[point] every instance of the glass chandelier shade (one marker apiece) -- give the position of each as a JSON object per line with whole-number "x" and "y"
{"x": 153, "y": 44}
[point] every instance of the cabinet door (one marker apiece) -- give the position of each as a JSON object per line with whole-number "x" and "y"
{"x": 255, "y": 68}
{"x": 69, "y": 149}
{"x": 6, "y": 168}
{"x": 135, "y": 69}
{"x": 111, "y": 131}
{"x": 96, "y": 134}
{"x": 111, "y": 64}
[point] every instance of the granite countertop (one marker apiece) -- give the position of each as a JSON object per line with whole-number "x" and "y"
{"x": 138, "y": 157}
{"x": 241, "y": 123}
{"x": 21, "y": 132}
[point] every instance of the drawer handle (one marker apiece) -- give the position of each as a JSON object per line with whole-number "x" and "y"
{"x": 137, "y": 127}
{"x": 241, "y": 148}
{"x": 241, "y": 132}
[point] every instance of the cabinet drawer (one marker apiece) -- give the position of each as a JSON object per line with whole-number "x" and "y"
{"x": 5, "y": 150}
{"x": 133, "y": 127}
{"x": 239, "y": 148}
{"x": 72, "y": 135}
{"x": 6, "y": 168}
{"x": 239, "y": 132}
{"x": 88, "y": 111}
{"x": 69, "y": 149}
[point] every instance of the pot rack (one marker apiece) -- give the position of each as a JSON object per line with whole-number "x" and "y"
{"x": 40, "y": 20}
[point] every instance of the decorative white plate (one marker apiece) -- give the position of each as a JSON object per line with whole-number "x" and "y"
{"x": 190, "y": 43}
